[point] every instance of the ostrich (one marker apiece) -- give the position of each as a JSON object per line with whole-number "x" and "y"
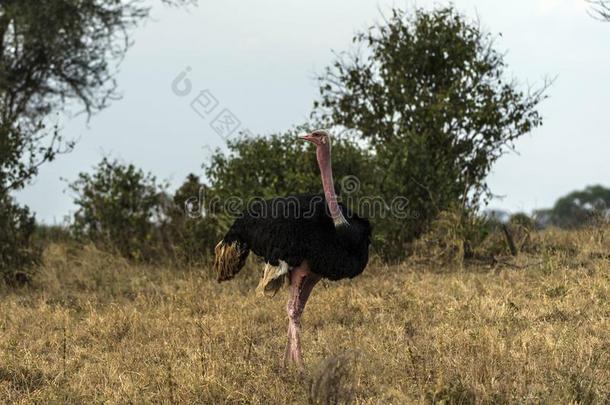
{"x": 304, "y": 237}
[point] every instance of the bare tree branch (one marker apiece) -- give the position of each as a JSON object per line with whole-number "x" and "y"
{"x": 600, "y": 9}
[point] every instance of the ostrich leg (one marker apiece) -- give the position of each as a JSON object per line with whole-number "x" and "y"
{"x": 302, "y": 281}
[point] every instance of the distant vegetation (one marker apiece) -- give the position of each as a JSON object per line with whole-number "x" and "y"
{"x": 421, "y": 113}
{"x": 577, "y": 209}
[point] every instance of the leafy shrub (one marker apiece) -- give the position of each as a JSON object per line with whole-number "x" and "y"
{"x": 521, "y": 219}
{"x": 281, "y": 165}
{"x": 192, "y": 233}
{"x": 455, "y": 235}
{"x": 18, "y": 253}
{"x": 119, "y": 208}
{"x": 124, "y": 209}
{"x": 46, "y": 234}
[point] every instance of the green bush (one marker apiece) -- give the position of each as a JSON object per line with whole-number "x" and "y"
{"x": 457, "y": 234}
{"x": 123, "y": 209}
{"x": 282, "y": 165}
{"x": 18, "y": 253}
{"x": 120, "y": 208}
{"x": 191, "y": 231}
{"x": 46, "y": 234}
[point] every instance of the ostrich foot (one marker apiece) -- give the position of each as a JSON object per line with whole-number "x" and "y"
{"x": 302, "y": 281}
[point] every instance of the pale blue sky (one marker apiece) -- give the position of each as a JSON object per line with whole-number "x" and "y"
{"x": 258, "y": 59}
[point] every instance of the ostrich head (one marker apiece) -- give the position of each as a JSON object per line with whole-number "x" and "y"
{"x": 319, "y": 137}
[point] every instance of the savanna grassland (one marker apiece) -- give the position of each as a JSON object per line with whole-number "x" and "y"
{"x": 94, "y": 328}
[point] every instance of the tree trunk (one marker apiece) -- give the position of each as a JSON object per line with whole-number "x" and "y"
{"x": 510, "y": 241}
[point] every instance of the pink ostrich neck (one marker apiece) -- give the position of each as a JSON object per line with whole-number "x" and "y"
{"x": 326, "y": 171}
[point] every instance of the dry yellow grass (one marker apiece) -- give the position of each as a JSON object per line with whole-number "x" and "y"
{"x": 100, "y": 330}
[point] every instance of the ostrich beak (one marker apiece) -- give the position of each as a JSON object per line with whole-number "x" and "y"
{"x": 306, "y": 137}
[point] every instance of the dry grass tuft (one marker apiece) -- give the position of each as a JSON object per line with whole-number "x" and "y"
{"x": 443, "y": 243}
{"x": 335, "y": 381}
{"x": 98, "y": 329}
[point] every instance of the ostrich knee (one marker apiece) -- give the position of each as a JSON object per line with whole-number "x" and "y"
{"x": 302, "y": 282}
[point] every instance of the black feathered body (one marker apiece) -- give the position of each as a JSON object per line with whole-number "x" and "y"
{"x": 298, "y": 228}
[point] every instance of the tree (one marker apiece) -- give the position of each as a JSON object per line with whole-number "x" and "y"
{"x": 429, "y": 94}
{"x": 17, "y": 252}
{"x": 582, "y": 207}
{"x": 123, "y": 209}
{"x": 120, "y": 208}
{"x": 55, "y": 53}
{"x": 601, "y": 9}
